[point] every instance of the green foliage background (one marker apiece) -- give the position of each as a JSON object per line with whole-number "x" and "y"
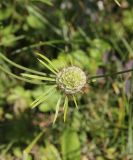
{"x": 97, "y": 36}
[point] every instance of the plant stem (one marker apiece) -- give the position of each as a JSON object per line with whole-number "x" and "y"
{"x": 110, "y": 74}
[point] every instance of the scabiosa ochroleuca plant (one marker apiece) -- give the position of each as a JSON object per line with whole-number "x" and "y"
{"x": 69, "y": 80}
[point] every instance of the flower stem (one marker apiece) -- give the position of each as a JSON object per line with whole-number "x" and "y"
{"x": 111, "y": 74}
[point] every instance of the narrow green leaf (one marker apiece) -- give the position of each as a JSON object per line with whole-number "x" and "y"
{"x": 43, "y": 97}
{"x": 75, "y": 101}
{"x": 118, "y": 3}
{"x": 42, "y": 100}
{"x": 47, "y": 60}
{"x": 31, "y": 145}
{"x": 65, "y": 107}
{"x": 36, "y": 45}
{"x": 57, "y": 109}
{"x": 127, "y": 45}
{"x": 47, "y": 66}
{"x": 48, "y": 2}
{"x": 45, "y": 93}
{"x": 18, "y": 77}
{"x": 8, "y": 147}
{"x": 38, "y": 77}
{"x": 19, "y": 66}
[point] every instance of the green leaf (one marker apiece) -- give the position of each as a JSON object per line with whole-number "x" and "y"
{"x": 38, "y": 77}
{"x": 48, "y": 2}
{"x": 8, "y": 40}
{"x": 65, "y": 107}
{"x": 118, "y": 3}
{"x": 98, "y": 48}
{"x": 127, "y": 19}
{"x": 75, "y": 101}
{"x": 43, "y": 97}
{"x": 61, "y": 61}
{"x": 18, "y": 77}
{"x": 50, "y": 153}
{"x": 80, "y": 58}
{"x": 20, "y": 98}
{"x": 19, "y": 66}
{"x": 31, "y": 145}
{"x": 57, "y": 109}
{"x": 6, "y": 13}
{"x": 70, "y": 145}
{"x": 35, "y": 18}
{"x": 50, "y": 104}
{"x": 34, "y": 22}
{"x": 47, "y": 60}
{"x": 47, "y": 66}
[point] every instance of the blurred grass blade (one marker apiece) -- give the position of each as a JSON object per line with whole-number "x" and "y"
{"x": 18, "y": 77}
{"x": 47, "y": 66}
{"x": 48, "y": 2}
{"x": 31, "y": 145}
{"x": 75, "y": 101}
{"x": 19, "y": 66}
{"x": 35, "y": 11}
{"x": 130, "y": 122}
{"x": 127, "y": 45}
{"x": 117, "y": 47}
{"x": 47, "y": 60}
{"x": 57, "y": 109}
{"x": 84, "y": 35}
{"x": 8, "y": 147}
{"x": 43, "y": 97}
{"x": 118, "y": 3}
{"x": 38, "y": 77}
{"x": 65, "y": 107}
{"x": 52, "y": 43}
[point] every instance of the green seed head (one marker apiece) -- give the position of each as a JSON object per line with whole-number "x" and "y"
{"x": 71, "y": 79}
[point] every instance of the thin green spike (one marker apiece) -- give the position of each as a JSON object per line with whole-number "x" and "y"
{"x": 57, "y": 109}
{"x": 19, "y": 78}
{"x": 47, "y": 60}
{"x": 75, "y": 101}
{"x": 31, "y": 145}
{"x": 19, "y": 66}
{"x": 38, "y": 77}
{"x": 49, "y": 90}
{"x": 65, "y": 107}
{"x": 47, "y": 66}
{"x": 42, "y": 98}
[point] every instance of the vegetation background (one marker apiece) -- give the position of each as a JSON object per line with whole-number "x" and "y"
{"x": 97, "y": 34}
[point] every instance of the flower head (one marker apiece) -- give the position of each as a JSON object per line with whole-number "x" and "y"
{"x": 69, "y": 81}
